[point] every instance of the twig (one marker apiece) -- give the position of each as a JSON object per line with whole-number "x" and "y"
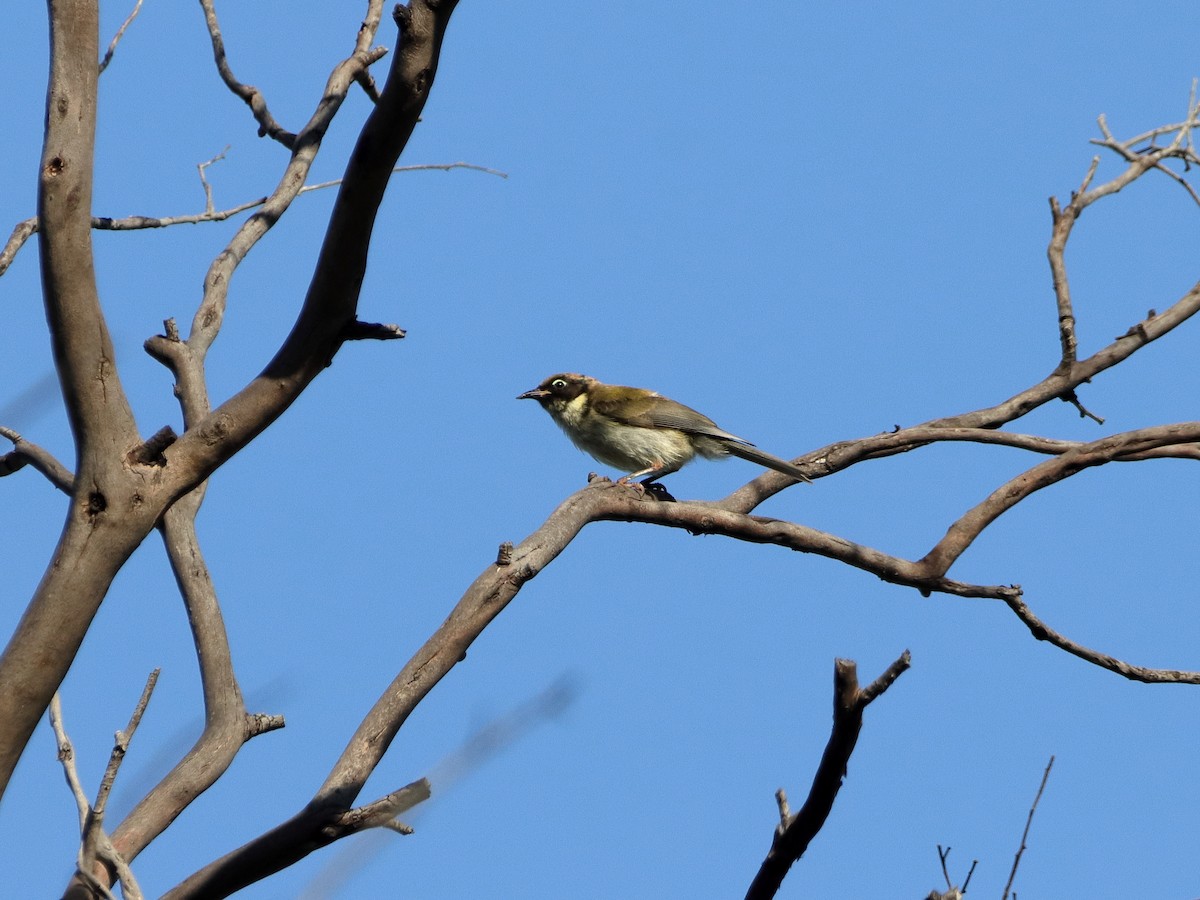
{"x": 209, "y": 209}
{"x": 252, "y": 96}
{"x": 42, "y": 460}
{"x": 970, "y": 872}
{"x": 1084, "y": 412}
{"x": 952, "y": 892}
{"x": 26, "y": 228}
{"x": 66, "y": 756}
{"x": 371, "y": 331}
{"x": 1025, "y": 833}
{"x": 112, "y": 46}
{"x": 942, "y": 856}
{"x": 1044, "y": 632}
{"x": 21, "y": 232}
{"x": 95, "y": 845}
{"x": 790, "y": 840}
{"x": 121, "y": 747}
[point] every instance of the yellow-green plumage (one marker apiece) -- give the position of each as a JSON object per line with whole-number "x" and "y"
{"x": 639, "y": 431}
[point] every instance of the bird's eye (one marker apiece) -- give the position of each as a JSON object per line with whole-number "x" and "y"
{"x": 558, "y": 383}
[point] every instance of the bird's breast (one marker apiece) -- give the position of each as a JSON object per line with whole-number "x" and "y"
{"x": 626, "y": 447}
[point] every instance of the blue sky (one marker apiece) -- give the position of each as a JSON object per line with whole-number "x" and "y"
{"x": 812, "y": 223}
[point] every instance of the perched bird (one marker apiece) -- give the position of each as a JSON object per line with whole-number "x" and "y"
{"x": 639, "y": 431}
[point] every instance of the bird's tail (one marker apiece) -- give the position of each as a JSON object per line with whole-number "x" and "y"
{"x": 753, "y": 454}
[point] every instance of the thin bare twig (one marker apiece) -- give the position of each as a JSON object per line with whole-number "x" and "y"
{"x": 1044, "y": 632}
{"x": 112, "y": 46}
{"x": 952, "y": 892}
{"x": 26, "y": 228}
{"x": 96, "y": 850}
{"x": 1025, "y": 834}
{"x": 942, "y": 856}
{"x": 66, "y": 756}
{"x": 209, "y": 209}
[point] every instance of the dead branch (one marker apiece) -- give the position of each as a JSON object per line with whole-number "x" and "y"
{"x": 795, "y": 831}
{"x": 250, "y": 95}
{"x": 97, "y": 855}
{"x": 42, "y": 460}
{"x": 26, "y": 228}
{"x": 1025, "y": 834}
{"x": 112, "y": 46}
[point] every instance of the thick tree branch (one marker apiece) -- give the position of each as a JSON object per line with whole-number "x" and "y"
{"x": 108, "y": 515}
{"x": 795, "y": 832}
{"x": 227, "y": 724}
{"x": 96, "y": 406}
{"x": 331, "y": 302}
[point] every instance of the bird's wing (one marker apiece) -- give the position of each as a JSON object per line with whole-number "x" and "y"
{"x": 656, "y": 411}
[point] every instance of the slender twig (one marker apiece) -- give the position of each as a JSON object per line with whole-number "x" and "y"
{"x": 95, "y": 845}
{"x": 1025, "y": 834}
{"x": 120, "y": 748}
{"x": 112, "y": 46}
{"x": 943, "y": 855}
{"x": 209, "y": 209}
{"x": 952, "y": 892}
{"x": 66, "y": 756}
{"x": 26, "y": 228}
{"x": 1044, "y": 632}
{"x": 970, "y": 872}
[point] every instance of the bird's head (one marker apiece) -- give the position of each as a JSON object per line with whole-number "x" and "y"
{"x": 559, "y": 390}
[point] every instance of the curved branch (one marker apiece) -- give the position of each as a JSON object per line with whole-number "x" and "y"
{"x": 1044, "y": 632}
{"x": 227, "y": 724}
{"x": 108, "y": 516}
{"x": 250, "y": 95}
{"x": 963, "y": 532}
{"x": 43, "y": 460}
{"x": 83, "y": 352}
{"x": 332, "y": 298}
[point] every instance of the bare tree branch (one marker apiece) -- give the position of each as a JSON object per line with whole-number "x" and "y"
{"x": 1044, "y": 632}
{"x": 97, "y": 855}
{"x": 26, "y": 228}
{"x": 21, "y": 232}
{"x": 1025, "y": 834}
{"x": 209, "y": 208}
{"x": 94, "y": 542}
{"x": 333, "y": 293}
{"x": 252, "y": 96}
{"x": 112, "y": 46}
{"x": 795, "y": 832}
{"x": 227, "y": 724}
{"x": 24, "y": 452}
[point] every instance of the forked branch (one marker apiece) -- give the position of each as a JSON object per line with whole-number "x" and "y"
{"x": 796, "y": 830}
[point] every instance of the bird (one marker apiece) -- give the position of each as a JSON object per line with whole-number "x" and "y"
{"x": 640, "y": 431}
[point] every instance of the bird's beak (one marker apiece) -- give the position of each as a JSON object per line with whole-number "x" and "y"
{"x": 535, "y": 394}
